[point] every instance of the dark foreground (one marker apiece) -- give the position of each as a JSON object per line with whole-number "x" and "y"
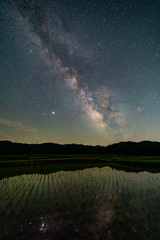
{"x": 81, "y": 161}
{"x": 79, "y": 198}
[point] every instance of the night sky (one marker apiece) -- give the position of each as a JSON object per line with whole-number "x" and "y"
{"x": 80, "y": 71}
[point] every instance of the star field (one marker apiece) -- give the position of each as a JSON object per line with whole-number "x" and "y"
{"x": 80, "y": 71}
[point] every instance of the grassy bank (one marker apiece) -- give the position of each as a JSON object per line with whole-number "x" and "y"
{"x": 121, "y": 162}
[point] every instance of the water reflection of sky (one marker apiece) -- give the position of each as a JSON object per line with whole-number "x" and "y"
{"x": 108, "y": 197}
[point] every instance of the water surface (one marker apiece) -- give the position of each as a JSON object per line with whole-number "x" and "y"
{"x": 95, "y": 203}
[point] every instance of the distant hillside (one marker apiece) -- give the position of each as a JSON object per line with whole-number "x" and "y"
{"x": 145, "y": 148}
{"x": 7, "y": 147}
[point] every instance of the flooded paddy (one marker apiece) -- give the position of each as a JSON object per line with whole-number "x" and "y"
{"x": 93, "y": 203}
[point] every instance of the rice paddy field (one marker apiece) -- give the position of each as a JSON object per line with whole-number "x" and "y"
{"x": 78, "y": 201}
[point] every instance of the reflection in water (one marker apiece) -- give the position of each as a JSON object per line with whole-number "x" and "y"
{"x": 85, "y": 204}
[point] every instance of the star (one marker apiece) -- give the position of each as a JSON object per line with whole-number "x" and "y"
{"x": 100, "y": 72}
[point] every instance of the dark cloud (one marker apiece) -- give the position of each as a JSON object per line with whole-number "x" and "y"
{"x": 17, "y": 124}
{"x": 28, "y": 128}
{"x": 10, "y": 123}
{"x": 4, "y": 137}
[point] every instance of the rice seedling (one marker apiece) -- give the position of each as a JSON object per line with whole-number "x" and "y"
{"x": 100, "y": 197}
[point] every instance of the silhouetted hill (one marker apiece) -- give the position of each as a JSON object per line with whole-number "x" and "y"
{"x": 7, "y": 147}
{"x": 145, "y": 148}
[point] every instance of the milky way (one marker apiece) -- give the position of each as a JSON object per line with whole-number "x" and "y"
{"x": 94, "y": 65}
{"x": 58, "y": 50}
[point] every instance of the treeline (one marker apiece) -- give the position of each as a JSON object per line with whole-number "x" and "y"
{"x": 145, "y": 148}
{"x": 7, "y": 148}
